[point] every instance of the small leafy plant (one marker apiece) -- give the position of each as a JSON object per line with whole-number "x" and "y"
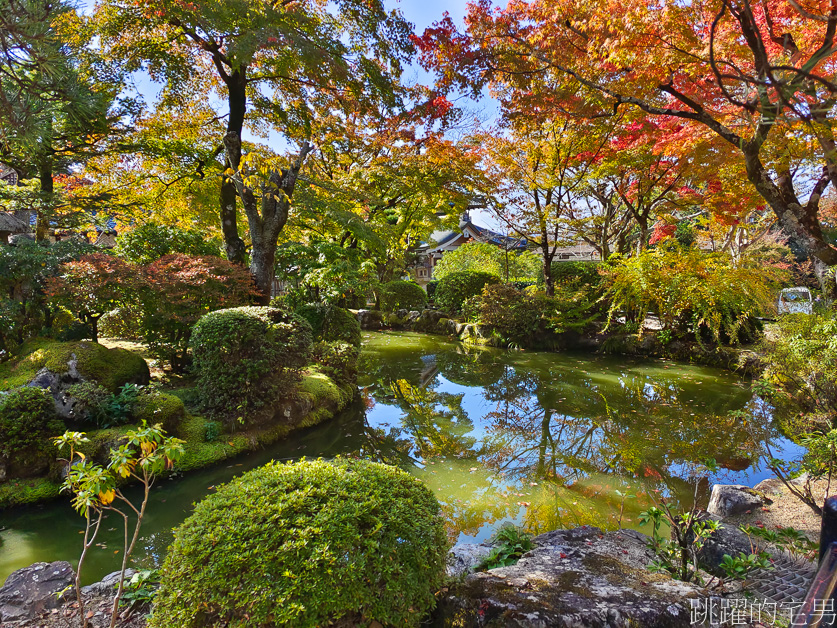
{"x": 740, "y": 566}
{"x": 510, "y": 544}
{"x": 141, "y": 588}
{"x": 678, "y": 557}
{"x": 145, "y": 454}
{"x": 789, "y": 539}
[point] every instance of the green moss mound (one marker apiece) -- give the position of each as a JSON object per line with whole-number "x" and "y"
{"x": 401, "y": 295}
{"x": 314, "y": 543}
{"x": 110, "y": 368}
{"x": 453, "y": 290}
{"x": 330, "y": 323}
{"x": 162, "y": 408}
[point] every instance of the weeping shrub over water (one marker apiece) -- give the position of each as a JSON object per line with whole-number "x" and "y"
{"x": 692, "y": 290}
{"x": 314, "y": 543}
{"x": 799, "y": 353}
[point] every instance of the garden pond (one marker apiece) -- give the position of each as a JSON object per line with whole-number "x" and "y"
{"x": 542, "y": 440}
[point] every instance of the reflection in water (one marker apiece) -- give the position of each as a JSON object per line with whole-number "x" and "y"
{"x": 550, "y": 440}
{"x": 540, "y": 439}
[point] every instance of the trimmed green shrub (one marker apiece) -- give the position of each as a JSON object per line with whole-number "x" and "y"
{"x": 452, "y": 291}
{"x": 314, "y": 543}
{"x": 247, "y": 357}
{"x": 329, "y": 323}
{"x": 27, "y": 422}
{"x": 338, "y": 360}
{"x": 401, "y": 295}
{"x": 576, "y": 275}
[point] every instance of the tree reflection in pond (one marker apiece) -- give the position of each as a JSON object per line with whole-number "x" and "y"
{"x": 551, "y": 440}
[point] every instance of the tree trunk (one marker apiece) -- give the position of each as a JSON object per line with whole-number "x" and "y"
{"x": 233, "y": 244}
{"x": 237, "y": 98}
{"x": 799, "y": 223}
{"x": 262, "y": 263}
{"x": 549, "y": 283}
{"x": 267, "y": 211}
{"x": 47, "y": 196}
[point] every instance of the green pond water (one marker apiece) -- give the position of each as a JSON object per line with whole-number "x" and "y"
{"x": 543, "y": 440}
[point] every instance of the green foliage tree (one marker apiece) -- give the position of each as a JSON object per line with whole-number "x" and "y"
{"x": 247, "y": 358}
{"x": 25, "y": 309}
{"x": 485, "y": 257}
{"x": 150, "y": 241}
{"x": 302, "y": 54}
{"x": 690, "y": 290}
{"x": 324, "y": 271}
{"x": 352, "y": 542}
{"x": 800, "y": 357}
{"x": 60, "y": 102}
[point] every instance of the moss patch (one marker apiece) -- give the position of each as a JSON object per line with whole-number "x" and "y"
{"x": 22, "y": 492}
{"x": 110, "y": 368}
{"x": 321, "y": 390}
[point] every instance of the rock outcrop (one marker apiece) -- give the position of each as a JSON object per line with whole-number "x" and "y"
{"x": 727, "y": 500}
{"x": 30, "y": 591}
{"x": 465, "y": 557}
{"x": 572, "y": 579}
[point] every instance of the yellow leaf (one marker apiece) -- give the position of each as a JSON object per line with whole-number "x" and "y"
{"x": 107, "y": 497}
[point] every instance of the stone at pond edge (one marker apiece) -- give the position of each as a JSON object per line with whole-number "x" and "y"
{"x": 107, "y": 584}
{"x": 31, "y": 590}
{"x": 572, "y": 579}
{"x": 465, "y": 557}
{"x": 369, "y": 319}
{"x": 733, "y": 499}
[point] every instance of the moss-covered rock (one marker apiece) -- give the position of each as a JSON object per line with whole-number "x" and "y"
{"x": 27, "y": 424}
{"x": 162, "y": 408}
{"x": 110, "y": 368}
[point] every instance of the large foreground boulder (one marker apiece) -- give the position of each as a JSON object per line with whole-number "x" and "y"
{"x": 34, "y": 589}
{"x": 572, "y": 579}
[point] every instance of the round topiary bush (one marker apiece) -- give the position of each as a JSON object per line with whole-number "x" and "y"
{"x": 452, "y": 290}
{"x": 313, "y": 543}
{"x": 331, "y": 323}
{"x": 401, "y": 295}
{"x": 27, "y": 423}
{"x": 246, "y": 357}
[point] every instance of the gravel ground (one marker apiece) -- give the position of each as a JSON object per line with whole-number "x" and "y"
{"x": 97, "y": 608}
{"x": 786, "y": 509}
